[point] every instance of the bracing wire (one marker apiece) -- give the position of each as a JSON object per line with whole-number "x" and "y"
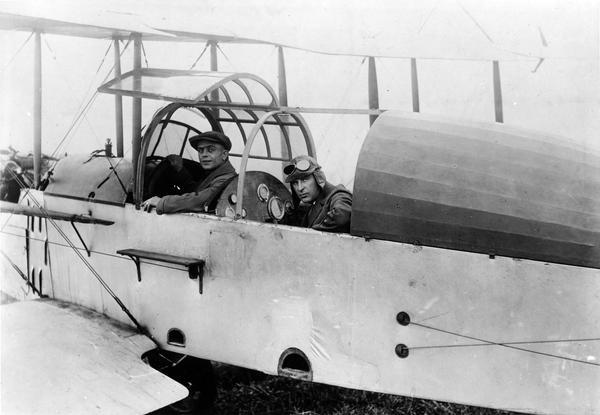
{"x": 510, "y": 345}
{"x": 17, "y": 52}
{"x": 121, "y": 257}
{"x": 200, "y": 57}
{"x": 144, "y": 53}
{"x": 226, "y": 57}
{"x": 83, "y": 110}
{"x": 89, "y": 266}
{"x": 479, "y": 26}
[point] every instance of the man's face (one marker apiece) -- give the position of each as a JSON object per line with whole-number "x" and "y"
{"x": 211, "y": 155}
{"x": 306, "y": 188}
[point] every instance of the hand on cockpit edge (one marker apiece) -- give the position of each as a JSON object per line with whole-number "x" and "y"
{"x": 148, "y": 204}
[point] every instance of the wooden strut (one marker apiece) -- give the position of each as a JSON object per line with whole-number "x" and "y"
{"x": 37, "y": 111}
{"x": 497, "y": 93}
{"x": 118, "y": 100}
{"x": 373, "y": 90}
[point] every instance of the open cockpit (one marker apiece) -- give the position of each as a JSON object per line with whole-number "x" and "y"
{"x": 242, "y": 106}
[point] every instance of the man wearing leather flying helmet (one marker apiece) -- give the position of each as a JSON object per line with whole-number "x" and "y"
{"x": 213, "y": 154}
{"x": 323, "y": 206}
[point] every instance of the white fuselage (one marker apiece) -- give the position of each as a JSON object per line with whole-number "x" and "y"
{"x": 335, "y": 297}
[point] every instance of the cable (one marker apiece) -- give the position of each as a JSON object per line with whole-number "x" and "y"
{"x": 144, "y": 53}
{"x": 83, "y": 110}
{"x": 21, "y": 274}
{"x": 103, "y": 283}
{"x": 93, "y": 251}
{"x": 199, "y": 57}
{"x": 17, "y": 53}
{"x": 507, "y": 344}
{"x": 228, "y": 60}
{"x": 475, "y": 21}
{"x": 428, "y": 16}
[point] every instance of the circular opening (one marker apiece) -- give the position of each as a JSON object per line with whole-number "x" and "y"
{"x": 293, "y": 363}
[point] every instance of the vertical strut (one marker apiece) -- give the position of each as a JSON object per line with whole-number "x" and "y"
{"x": 37, "y": 110}
{"x": 118, "y": 100}
{"x": 497, "y": 93}
{"x": 283, "y": 100}
{"x": 373, "y": 91}
{"x": 136, "y": 110}
{"x": 414, "y": 83}
{"x": 214, "y": 67}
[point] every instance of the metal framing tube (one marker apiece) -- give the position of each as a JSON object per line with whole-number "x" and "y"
{"x": 118, "y": 101}
{"x": 37, "y": 110}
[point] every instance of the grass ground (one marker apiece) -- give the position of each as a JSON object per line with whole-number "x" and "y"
{"x": 253, "y": 393}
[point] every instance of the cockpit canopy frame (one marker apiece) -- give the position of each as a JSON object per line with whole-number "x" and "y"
{"x": 223, "y": 100}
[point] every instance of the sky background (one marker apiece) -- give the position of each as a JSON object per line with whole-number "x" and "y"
{"x": 454, "y": 43}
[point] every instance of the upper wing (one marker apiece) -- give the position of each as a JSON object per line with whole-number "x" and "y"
{"x": 61, "y": 358}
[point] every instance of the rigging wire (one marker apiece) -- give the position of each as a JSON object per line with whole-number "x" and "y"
{"x": 428, "y": 16}
{"x": 94, "y": 252}
{"x": 89, "y": 266}
{"x": 17, "y": 53}
{"x": 29, "y": 284}
{"x": 464, "y": 9}
{"x": 510, "y": 345}
{"x": 83, "y": 110}
{"x": 228, "y": 60}
{"x": 199, "y": 57}
{"x": 144, "y": 53}
{"x": 49, "y": 48}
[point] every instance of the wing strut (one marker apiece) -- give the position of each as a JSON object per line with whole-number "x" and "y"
{"x": 497, "y": 93}
{"x": 414, "y": 83}
{"x": 136, "y": 108}
{"x": 373, "y": 91}
{"x": 118, "y": 100}
{"x": 37, "y": 110}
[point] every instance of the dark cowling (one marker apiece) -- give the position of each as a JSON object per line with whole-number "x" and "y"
{"x": 485, "y": 188}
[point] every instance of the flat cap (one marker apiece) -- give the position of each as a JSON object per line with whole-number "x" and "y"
{"x": 211, "y": 136}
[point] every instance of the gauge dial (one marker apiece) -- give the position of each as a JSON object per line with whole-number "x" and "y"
{"x": 276, "y": 208}
{"x": 263, "y": 192}
{"x": 229, "y": 212}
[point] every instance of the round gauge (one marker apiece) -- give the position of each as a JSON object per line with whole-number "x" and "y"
{"x": 244, "y": 213}
{"x": 233, "y": 198}
{"x": 263, "y": 192}
{"x": 276, "y": 208}
{"x": 289, "y": 206}
{"x": 230, "y": 213}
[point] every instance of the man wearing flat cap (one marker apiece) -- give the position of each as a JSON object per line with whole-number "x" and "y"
{"x": 213, "y": 153}
{"x": 322, "y": 206}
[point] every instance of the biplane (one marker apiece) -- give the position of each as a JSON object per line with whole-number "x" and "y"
{"x": 469, "y": 275}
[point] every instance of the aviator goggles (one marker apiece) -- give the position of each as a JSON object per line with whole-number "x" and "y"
{"x": 302, "y": 165}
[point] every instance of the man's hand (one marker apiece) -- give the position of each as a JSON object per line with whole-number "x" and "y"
{"x": 175, "y": 161}
{"x": 150, "y": 203}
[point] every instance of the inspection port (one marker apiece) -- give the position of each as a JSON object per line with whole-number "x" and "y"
{"x": 293, "y": 363}
{"x": 176, "y": 337}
